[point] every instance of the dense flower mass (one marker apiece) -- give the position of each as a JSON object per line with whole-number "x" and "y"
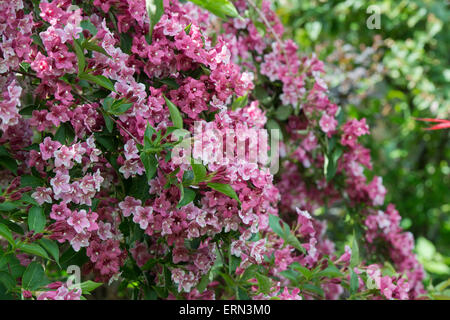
{"x": 92, "y": 96}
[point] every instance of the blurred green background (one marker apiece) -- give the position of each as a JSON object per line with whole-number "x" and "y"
{"x": 391, "y": 76}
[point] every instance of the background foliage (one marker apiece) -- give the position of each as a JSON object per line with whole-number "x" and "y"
{"x": 391, "y": 76}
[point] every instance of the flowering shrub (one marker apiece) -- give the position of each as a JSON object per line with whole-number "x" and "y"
{"x": 97, "y": 99}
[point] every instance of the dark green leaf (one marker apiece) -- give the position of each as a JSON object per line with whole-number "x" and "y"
{"x": 354, "y": 282}
{"x": 354, "y": 260}
{"x": 9, "y": 163}
{"x": 52, "y": 248}
{"x": 226, "y": 189}
{"x": 199, "y": 171}
{"x": 150, "y": 164}
{"x": 34, "y": 277}
{"x": 6, "y": 234}
{"x": 220, "y": 8}
{"x": 80, "y": 56}
{"x": 314, "y": 289}
{"x": 175, "y": 114}
{"x": 155, "y": 10}
{"x": 204, "y": 281}
{"x": 264, "y": 283}
{"x": 9, "y": 206}
{"x": 7, "y": 280}
{"x": 88, "y": 25}
{"x": 120, "y": 107}
{"x": 241, "y": 294}
{"x": 240, "y": 102}
{"x": 109, "y": 123}
{"x": 65, "y": 134}
{"x": 330, "y": 272}
{"x": 33, "y": 248}
{"x": 303, "y": 270}
{"x": 282, "y": 113}
{"x": 99, "y": 79}
{"x": 95, "y": 47}
{"x": 187, "y": 196}
{"x": 88, "y": 286}
{"x": 36, "y": 219}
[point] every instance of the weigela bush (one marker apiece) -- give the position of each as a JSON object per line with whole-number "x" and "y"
{"x": 97, "y": 98}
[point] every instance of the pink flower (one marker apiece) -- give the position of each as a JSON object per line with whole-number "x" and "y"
{"x": 129, "y": 206}
{"x": 60, "y": 212}
{"x": 80, "y": 240}
{"x": 104, "y": 231}
{"x": 328, "y": 124}
{"x": 60, "y": 183}
{"x": 48, "y": 148}
{"x": 78, "y": 220}
{"x": 143, "y": 216}
{"x": 42, "y": 195}
{"x": 64, "y": 156}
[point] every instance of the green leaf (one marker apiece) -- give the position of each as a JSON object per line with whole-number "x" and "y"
{"x": 354, "y": 282}
{"x": 36, "y": 219}
{"x": 226, "y": 189}
{"x": 6, "y": 234}
{"x": 33, "y": 248}
{"x": 28, "y": 199}
{"x": 330, "y": 163}
{"x": 65, "y": 134}
{"x": 25, "y": 66}
{"x": 51, "y": 247}
{"x": 9, "y": 163}
{"x": 4, "y": 152}
{"x": 34, "y": 277}
{"x": 441, "y": 286}
{"x": 107, "y": 103}
{"x": 284, "y": 232}
{"x": 240, "y": 102}
{"x": 4, "y": 260}
{"x": 199, "y": 171}
{"x": 171, "y": 83}
{"x": 150, "y": 164}
{"x": 162, "y": 292}
{"x": 14, "y": 227}
{"x": 80, "y": 56}
{"x": 274, "y": 223}
{"x": 13, "y": 266}
{"x": 228, "y": 279}
{"x": 204, "y": 281}
{"x": 109, "y": 123}
{"x": 88, "y": 25}
{"x": 354, "y": 260}
{"x": 264, "y": 283}
{"x": 187, "y": 196}
{"x": 155, "y": 10}
{"x": 303, "y": 270}
{"x": 314, "y": 289}
{"x": 175, "y": 114}
{"x": 220, "y": 8}
{"x": 88, "y": 286}
{"x": 7, "y": 280}
{"x": 31, "y": 181}
{"x": 249, "y": 273}
{"x": 99, "y": 79}
{"x": 9, "y": 206}
{"x": 120, "y": 107}
{"x": 330, "y": 272}
{"x": 283, "y": 112}
{"x": 241, "y": 294}
{"x": 89, "y": 45}
{"x": 292, "y": 240}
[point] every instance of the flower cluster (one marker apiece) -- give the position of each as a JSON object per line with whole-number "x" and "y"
{"x": 93, "y": 148}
